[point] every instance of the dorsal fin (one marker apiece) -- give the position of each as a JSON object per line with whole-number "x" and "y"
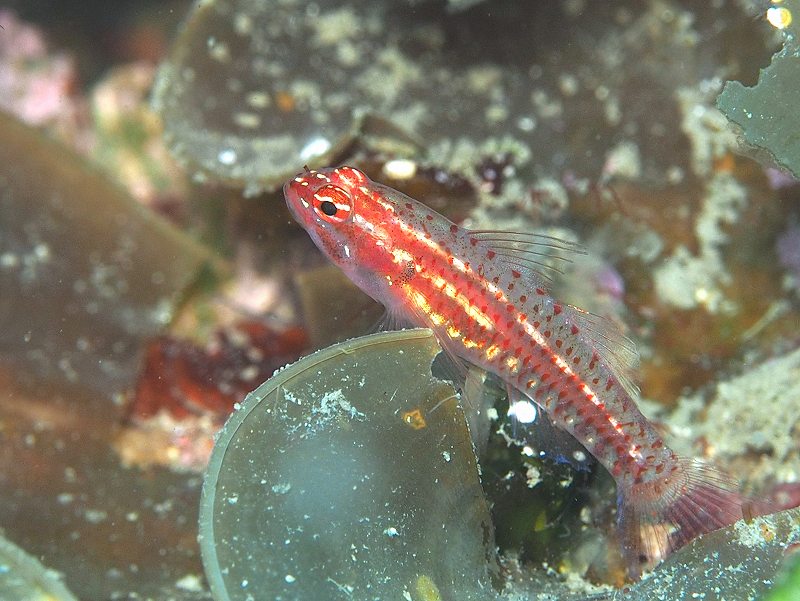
{"x": 617, "y": 350}
{"x": 539, "y": 255}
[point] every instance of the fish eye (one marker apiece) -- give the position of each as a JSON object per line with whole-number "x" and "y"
{"x": 327, "y": 207}
{"x": 332, "y": 204}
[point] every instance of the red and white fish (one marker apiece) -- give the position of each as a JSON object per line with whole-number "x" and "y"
{"x": 485, "y": 296}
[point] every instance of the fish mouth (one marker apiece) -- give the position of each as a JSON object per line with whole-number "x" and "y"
{"x": 293, "y": 193}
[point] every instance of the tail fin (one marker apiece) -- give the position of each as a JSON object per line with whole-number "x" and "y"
{"x": 661, "y": 516}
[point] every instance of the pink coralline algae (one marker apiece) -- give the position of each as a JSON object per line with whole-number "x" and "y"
{"x": 36, "y": 86}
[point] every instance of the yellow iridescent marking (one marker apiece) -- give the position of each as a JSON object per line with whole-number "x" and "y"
{"x": 437, "y": 319}
{"x": 401, "y": 256}
{"x": 420, "y": 301}
{"x": 492, "y": 351}
{"x": 415, "y": 419}
{"x": 512, "y": 363}
{"x": 472, "y": 312}
{"x": 470, "y": 343}
{"x": 453, "y": 331}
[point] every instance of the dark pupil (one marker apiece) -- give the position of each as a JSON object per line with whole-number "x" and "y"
{"x": 327, "y": 207}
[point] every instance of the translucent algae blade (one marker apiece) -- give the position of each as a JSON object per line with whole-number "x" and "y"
{"x": 349, "y": 475}
{"x": 23, "y": 578}
{"x": 767, "y": 112}
{"x": 241, "y": 95}
{"x": 86, "y": 273}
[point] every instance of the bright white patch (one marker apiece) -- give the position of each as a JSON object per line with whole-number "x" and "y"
{"x": 400, "y": 169}
{"x": 227, "y": 156}
{"x": 523, "y": 411}
{"x": 460, "y": 265}
{"x": 314, "y": 148}
{"x": 779, "y": 17}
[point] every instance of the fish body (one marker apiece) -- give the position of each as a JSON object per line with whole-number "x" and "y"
{"x": 485, "y": 296}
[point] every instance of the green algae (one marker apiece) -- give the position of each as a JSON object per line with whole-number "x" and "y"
{"x": 788, "y": 586}
{"x": 23, "y": 578}
{"x": 85, "y": 271}
{"x": 767, "y": 112}
{"x": 349, "y": 475}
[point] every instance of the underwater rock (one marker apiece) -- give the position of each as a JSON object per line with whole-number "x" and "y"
{"x": 129, "y": 141}
{"x": 767, "y": 399}
{"x": 253, "y": 90}
{"x": 114, "y": 533}
{"x": 739, "y": 562}
{"x": 184, "y": 379}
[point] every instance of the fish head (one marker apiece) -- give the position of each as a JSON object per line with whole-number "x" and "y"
{"x": 348, "y": 219}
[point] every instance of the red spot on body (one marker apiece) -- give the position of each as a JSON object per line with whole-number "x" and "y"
{"x": 510, "y": 308}
{"x": 490, "y": 254}
{"x": 576, "y": 360}
{"x": 559, "y": 343}
{"x": 574, "y": 330}
{"x": 547, "y": 333}
{"x": 454, "y": 229}
{"x": 540, "y": 292}
{"x": 473, "y": 241}
{"x": 409, "y": 206}
{"x": 556, "y": 309}
{"x": 429, "y": 217}
{"x": 516, "y": 273}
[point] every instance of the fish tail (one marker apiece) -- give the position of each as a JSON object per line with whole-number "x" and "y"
{"x": 660, "y": 516}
